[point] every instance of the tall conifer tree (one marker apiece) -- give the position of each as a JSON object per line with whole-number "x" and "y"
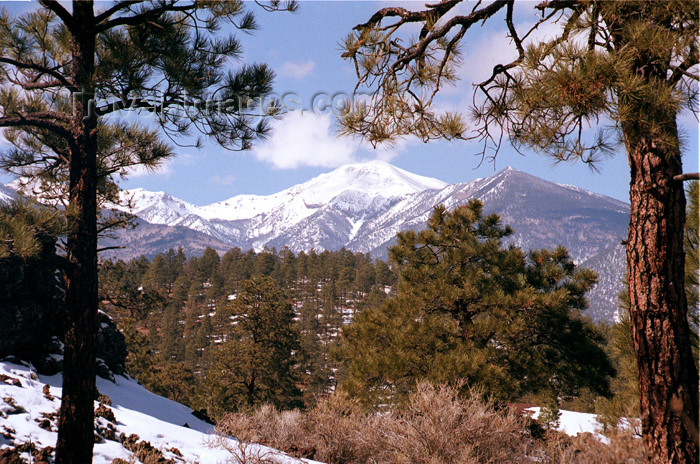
{"x": 62, "y": 70}
{"x": 470, "y": 309}
{"x": 631, "y": 62}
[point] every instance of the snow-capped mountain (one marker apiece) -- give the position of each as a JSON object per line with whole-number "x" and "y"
{"x": 362, "y": 206}
{"x": 347, "y": 197}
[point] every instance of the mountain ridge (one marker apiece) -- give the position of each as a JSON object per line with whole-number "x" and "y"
{"x": 361, "y": 207}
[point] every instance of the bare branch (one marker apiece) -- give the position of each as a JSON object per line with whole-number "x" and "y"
{"x": 687, "y": 176}
{"x": 116, "y": 247}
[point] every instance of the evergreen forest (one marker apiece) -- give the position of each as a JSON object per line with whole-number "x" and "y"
{"x": 454, "y": 305}
{"x": 198, "y": 329}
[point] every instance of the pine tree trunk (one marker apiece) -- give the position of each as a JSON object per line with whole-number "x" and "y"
{"x": 76, "y": 421}
{"x": 668, "y": 377}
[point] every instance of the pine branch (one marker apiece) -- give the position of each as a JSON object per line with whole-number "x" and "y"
{"x": 405, "y": 15}
{"x": 145, "y": 16}
{"x": 38, "y": 85}
{"x": 41, "y": 69}
{"x": 41, "y": 120}
{"x": 115, "y": 8}
{"x": 59, "y": 11}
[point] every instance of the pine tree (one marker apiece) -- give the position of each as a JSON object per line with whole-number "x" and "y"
{"x": 31, "y": 310}
{"x": 469, "y": 309}
{"x": 64, "y": 70}
{"x": 140, "y": 361}
{"x": 258, "y": 360}
{"x": 631, "y": 62}
{"x": 120, "y": 285}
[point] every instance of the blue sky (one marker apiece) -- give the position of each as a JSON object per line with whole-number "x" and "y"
{"x": 303, "y": 49}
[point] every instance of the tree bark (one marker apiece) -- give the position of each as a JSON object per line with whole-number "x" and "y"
{"x": 76, "y": 421}
{"x": 668, "y": 376}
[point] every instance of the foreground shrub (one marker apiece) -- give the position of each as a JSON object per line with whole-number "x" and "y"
{"x": 435, "y": 426}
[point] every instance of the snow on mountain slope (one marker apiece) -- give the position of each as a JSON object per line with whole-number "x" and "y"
{"x": 253, "y": 221}
{"x": 371, "y": 179}
{"x": 363, "y": 180}
{"x": 603, "y": 299}
{"x": 7, "y": 194}
{"x": 155, "y": 207}
{"x": 137, "y": 411}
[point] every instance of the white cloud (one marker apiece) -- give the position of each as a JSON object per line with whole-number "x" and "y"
{"x": 305, "y": 139}
{"x": 224, "y": 180}
{"x": 297, "y": 70}
{"x": 166, "y": 169}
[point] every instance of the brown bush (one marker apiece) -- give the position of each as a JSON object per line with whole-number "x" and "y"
{"x": 435, "y": 426}
{"x": 623, "y": 448}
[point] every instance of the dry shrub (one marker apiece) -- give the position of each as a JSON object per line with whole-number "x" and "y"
{"x": 435, "y": 426}
{"x": 585, "y": 448}
{"x": 265, "y": 425}
{"x": 341, "y": 432}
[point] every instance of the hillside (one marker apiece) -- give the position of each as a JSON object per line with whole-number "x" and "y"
{"x": 27, "y": 415}
{"x": 166, "y": 430}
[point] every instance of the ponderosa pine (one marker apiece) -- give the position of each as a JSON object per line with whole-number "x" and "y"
{"x": 634, "y": 63}
{"x": 63, "y": 70}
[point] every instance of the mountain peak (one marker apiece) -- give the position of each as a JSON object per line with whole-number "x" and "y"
{"x": 374, "y": 177}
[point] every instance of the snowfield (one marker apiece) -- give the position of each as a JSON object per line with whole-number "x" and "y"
{"x": 153, "y": 418}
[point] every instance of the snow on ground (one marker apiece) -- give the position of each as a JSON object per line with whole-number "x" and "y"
{"x": 153, "y": 418}
{"x": 137, "y": 411}
{"x": 572, "y": 423}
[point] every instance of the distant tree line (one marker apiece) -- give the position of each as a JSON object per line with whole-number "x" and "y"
{"x": 223, "y": 332}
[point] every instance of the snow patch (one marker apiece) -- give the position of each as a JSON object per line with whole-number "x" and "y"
{"x": 153, "y": 418}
